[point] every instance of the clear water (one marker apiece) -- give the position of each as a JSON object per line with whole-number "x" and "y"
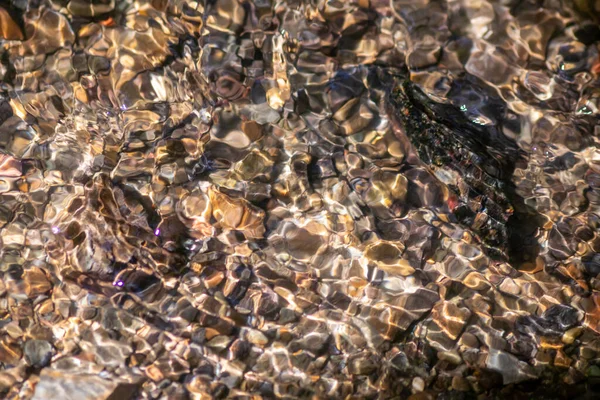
{"x": 232, "y": 198}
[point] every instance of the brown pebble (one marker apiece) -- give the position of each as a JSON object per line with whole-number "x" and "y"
{"x": 10, "y": 353}
{"x": 461, "y": 384}
{"x": 8, "y": 28}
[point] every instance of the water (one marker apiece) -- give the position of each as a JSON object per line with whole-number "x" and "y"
{"x": 299, "y": 199}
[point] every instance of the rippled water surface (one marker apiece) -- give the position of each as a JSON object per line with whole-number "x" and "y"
{"x": 299, "y": 199}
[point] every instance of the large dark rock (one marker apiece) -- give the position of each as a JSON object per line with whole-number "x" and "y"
{"x": 479, "y": 157}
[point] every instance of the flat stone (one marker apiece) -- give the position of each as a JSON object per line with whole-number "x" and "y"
{"x": 58, "y": 385}
{"x": 512, "y": 370}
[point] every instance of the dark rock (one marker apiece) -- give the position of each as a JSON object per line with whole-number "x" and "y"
{"x": 446, "y": 139}
{"x": 553, "y": 322}
{"x": 592, "y": 264}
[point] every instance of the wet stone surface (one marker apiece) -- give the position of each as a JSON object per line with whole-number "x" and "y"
{"x": 299, "y": 199}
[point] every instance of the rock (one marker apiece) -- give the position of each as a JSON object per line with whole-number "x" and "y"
{"x": 387, "y": 256}
{"x": 592, "y": 264}
{"x": 84, "y": 8}
{"x": 399, "y": 360}
{"x": 453, "y": 357}
{"x": 418, "y": 384}
{"x": 237, "y": 214}
{"x": 36, "y": 282}
{"x": 435, "y": 128}
{"x": 563, "y": 315}
{"x": 38, "y": 353}
{"x": 303, "y": 242}
{"x": 257, "y": 337}
{"x": 553, "y": 322}
{"x": 362, "y": 364}
{"x": 58, "y": 385}
{"x": 314, "y": 342}
{"x": 512, "y": 370}
{"x": 594, "y": 370}
{"x": 572, "y": 334}
{"x": 421, "y": 396}
{"x": 8, "y": 28}
{"x": 10, "y": 353}
{"x": 451, "y": 318}
{"x": 461, "y": 384}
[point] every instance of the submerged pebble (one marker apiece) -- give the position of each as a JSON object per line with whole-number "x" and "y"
{"x": 38, "y": 353}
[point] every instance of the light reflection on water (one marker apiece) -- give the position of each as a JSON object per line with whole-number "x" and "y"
{"x": 299, "y": 198}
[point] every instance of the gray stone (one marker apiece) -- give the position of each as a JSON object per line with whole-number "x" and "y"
{"x": 58, "y": 385}
{"x": 38, "y": 353}
{"x": 512, "y": 370}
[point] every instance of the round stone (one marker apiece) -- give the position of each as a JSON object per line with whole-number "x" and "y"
{"x": 38, "y": 353}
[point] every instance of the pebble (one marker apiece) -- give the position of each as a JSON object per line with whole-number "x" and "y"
{"x": 594, "y": 371}
{"x": 257, "y": 338}
{"x": 572, "y": 334}
{"x": 38, "y": 353}
{"x": 418, "y": 384}
{"x": 461, "y": 384}
{"x": 67, "y": 386}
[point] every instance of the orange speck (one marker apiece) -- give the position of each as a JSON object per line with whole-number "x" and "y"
{"x": 596, "y": 67}
{"x": 108, "y": 22}
{"x": 452, "y": 202}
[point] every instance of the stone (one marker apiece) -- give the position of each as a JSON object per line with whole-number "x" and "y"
{"x": 512, "y": 370}
{"x": 418, "y": 384}
{"x": 257, "y": 337}
{"x": 68, "y": 386}
{"x": 8, "y": 28}
{"x": 461, "y": 384}
{"x": 572, "y": 334}
{"x": 10, "y": 352}
{"x": 38, "y": 353}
